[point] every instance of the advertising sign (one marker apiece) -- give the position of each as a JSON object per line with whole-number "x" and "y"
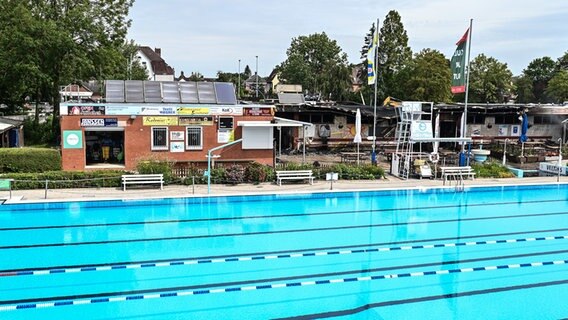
{"x": 201, "y": 121}
{"x": 85, "y": 110}
{"x": 226, "y": 111}
{"x": 189, "y": 111}
{"x": 72, "y": 139}
{"x": 503, "y": 130}
{"x": 159, "y": 121}
{"x": 100, "y": 122}
{"x": 158, "y": 111}
{"x": 224, "y": 136}
{"x": 256, "y": 111}
{"x": 123, "y": 110}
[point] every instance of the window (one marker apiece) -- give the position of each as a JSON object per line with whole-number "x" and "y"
{"x": 159, "y": 138}
{"x": 475, "y": 119}
{"x": 547, "y": 119}
{"x": 194, "y": 138}
{"x": 507, "y": 119}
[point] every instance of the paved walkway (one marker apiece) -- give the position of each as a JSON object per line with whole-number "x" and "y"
{"x": 201, "y": 190}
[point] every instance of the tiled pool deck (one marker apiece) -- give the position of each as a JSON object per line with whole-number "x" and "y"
{"x": 287, "y": 187}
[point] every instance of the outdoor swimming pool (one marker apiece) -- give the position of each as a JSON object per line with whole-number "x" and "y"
{"x": 485, "y": 253}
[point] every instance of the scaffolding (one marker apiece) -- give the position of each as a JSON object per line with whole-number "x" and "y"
{"x": 414, "y": 122}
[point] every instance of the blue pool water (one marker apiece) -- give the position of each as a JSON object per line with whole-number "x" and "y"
{"x": 485, "y": 253}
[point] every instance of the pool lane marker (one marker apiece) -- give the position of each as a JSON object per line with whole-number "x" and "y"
{"x": 269, "y": 257}
{"x": 159, "y": 295}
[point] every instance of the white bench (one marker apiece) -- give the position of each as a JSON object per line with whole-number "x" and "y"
{"x": 142, "y": 179}
{"x": 294, "y": 175}
{"x": 457, "y": 172}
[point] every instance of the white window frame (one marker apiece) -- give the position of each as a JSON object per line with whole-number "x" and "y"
{"x": 188, "y": 139}
{"x": 161, "y": 148}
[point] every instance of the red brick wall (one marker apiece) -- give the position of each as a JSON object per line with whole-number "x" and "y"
{"x": 137, "y": 144}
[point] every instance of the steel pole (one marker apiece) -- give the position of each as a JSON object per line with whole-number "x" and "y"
{"x": 256, "y": 76}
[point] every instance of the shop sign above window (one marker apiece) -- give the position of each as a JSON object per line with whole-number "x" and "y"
{"x": 188, "y": 121}
{"x": 100, "y": 122}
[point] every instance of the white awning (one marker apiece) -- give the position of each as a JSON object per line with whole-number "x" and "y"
{"x": 278, "y": 122}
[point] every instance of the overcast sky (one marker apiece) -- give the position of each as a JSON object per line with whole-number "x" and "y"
{"x": 210, "y": 35}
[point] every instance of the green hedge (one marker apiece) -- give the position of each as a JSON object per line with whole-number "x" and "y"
{"x": 491, "y": 169}
{"x": 65, "y": 179}
{"x": 156, "y": 167}
{"x": 25, "y": 160}
{"x": 344, "y": 171}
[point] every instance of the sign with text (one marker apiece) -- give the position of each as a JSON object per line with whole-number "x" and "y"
{"x": 256, "y": 111}
{"x": 160, "y": 121}
{"x": 85, "y": 110}
{"x": 158, "y": 111}
{"x": 200, "y": 121}
{"x": 99, "y": 122}
{"x": 226, "y": 122}
{"x": 73, "y": 139}
{"x": 458, "y": 66}
{"x": 177, "y": 135}
{"x": 225, "y": 136}
{"x": 123, "y": 110}
{"x": 190, "y": 111}
{"x": 421, "y": 130}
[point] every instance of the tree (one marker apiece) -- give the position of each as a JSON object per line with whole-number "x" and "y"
{"x": 489, "y": 80}
{"x": 562, "y": 62}
{"x": 394, "y": 54}
{"x": 318, "y": 64}
{"x": 540, "y": 71}
{"x": 558, "y": 87}
{"x": 524, "y": 89}
{"x": 20, "y": 62}
{"x": 428, "y": 77}
{"x": 74, "y": 40}
{"x": 247, "y": 72}
{"x": 196, "y": 76}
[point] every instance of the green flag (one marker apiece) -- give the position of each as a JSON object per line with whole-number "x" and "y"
{"x": 458, "y": 65}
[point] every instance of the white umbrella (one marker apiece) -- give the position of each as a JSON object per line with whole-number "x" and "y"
{"x": 357, "y": 139}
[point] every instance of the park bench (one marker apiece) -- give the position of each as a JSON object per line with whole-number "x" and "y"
{"x": 461, "y": 173}
{"x": 143, "y": 179}
{"x": 294, "y": 175}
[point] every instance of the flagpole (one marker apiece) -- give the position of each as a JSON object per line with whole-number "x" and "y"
{"x": 375, "y": 65}
{"x": 464, "y": 122}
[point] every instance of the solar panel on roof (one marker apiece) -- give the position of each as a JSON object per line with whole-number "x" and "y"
{"x": 206, "y": 92}
{"x": 114, "y": 90}
{"x": 152, "y": 91}
{"x": 225, "y": 92}
{"x": 170, "y": 92}
{"x": 291, "y": 98}
{"x": 134, "y": 90}
{"x": 188, "y": 92}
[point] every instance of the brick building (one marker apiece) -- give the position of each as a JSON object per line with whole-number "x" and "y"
{"x": 173, "y": 121}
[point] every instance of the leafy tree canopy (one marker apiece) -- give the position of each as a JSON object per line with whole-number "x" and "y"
{"x": 393, "y": 54}
{"x": 428, "y": 77}
{"x": 318, "y": 64}
{"x": 490, "y": 80}
{"x": 558, "y": 87}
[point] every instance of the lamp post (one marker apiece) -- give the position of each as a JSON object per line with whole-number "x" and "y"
{"x": 256, "y": 73}
{"x": 239, "y": 82}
